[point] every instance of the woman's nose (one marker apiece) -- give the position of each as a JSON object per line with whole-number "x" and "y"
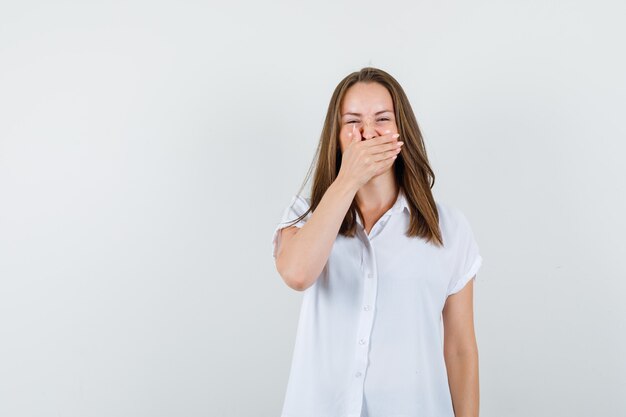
{"x": 368, "y": 131}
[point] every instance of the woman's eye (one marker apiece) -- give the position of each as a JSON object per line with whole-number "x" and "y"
{"x": 380, "y": 120}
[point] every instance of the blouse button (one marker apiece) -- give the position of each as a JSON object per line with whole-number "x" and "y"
{"x": 369, "y": 274}
{"x": 366, "y": 308}
{"x": 362, "y": 341}
{"x": 358, "y": 374}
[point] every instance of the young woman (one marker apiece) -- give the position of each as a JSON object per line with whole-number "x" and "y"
{"x": 383, "y": 265}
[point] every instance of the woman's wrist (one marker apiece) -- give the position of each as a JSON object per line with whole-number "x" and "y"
{"x": 345, "y": 187}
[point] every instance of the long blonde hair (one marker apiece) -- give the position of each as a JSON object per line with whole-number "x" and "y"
{"x": 411, "y": 168}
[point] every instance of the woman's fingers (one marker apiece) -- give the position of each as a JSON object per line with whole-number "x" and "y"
{"x": 387, "y": 147}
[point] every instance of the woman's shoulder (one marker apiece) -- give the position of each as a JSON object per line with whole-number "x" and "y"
{"x": 298, "y": 205}
{"x": 303, "y": 198}
{"x": 451, "y": 217}
{"x": 301, "y": 202}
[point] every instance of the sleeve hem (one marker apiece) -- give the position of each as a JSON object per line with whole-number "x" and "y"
{"x": 276, "y": 236}
{"x": 468, "y": 275}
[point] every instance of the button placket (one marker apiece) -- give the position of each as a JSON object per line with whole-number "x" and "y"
{"x": 366, "y": 321}
{"x": 379, "y": 225}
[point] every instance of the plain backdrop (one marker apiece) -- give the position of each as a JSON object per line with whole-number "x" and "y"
{"x": 149, "y": 148}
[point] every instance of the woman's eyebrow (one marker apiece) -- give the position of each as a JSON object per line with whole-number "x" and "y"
{"x": 358, "y": 114}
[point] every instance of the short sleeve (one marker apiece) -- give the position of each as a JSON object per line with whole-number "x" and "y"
{"x": 467, "y": 259}
{"x": 295, "y": 209}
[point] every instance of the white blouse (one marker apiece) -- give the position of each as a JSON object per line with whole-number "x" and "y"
{"x": 369, "y": 341}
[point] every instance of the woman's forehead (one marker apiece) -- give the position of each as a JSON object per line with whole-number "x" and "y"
{"x": 371, "y": 98}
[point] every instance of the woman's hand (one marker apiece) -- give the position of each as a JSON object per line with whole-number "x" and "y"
{"x": 364, "y": 159}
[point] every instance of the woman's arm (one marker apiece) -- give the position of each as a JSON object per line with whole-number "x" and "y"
{"x": 304, "y": 251}
{"x": 461, "y": 351}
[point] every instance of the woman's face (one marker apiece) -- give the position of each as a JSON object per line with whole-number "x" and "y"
{"x": 369, "y": 107}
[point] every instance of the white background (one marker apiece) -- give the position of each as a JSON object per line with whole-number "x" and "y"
{"x": 148, "y": 150}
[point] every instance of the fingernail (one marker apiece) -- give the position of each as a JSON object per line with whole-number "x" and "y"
{"x": 396, "y": 135}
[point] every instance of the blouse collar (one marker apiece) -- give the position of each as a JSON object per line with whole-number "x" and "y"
{"x": 399, "y": 205}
